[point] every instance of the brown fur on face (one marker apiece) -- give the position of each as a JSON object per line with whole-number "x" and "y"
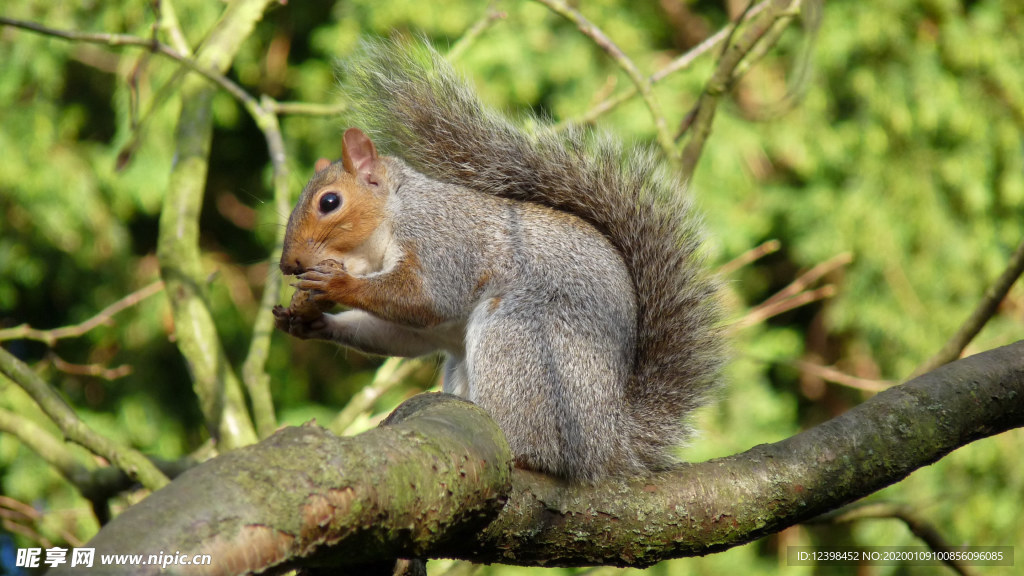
{"x": 314, "y": 236}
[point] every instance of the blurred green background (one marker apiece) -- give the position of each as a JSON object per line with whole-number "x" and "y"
{"x": 893, "y": 132}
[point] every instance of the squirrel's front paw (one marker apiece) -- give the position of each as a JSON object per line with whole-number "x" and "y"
{"x": 299, "y": 326}
{"x": 317, "y": 279}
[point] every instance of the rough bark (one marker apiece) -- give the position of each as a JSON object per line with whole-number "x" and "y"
{"x": 431, "y": 482}
{"x": 395, "y": 490}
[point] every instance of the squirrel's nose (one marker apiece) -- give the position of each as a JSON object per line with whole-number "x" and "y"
{"x": 291, "y": 267}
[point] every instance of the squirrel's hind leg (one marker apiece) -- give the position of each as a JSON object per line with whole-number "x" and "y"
{"x": 554, "y": 388}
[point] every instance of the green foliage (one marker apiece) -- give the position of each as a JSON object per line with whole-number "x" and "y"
{"x": 903, "y": 146}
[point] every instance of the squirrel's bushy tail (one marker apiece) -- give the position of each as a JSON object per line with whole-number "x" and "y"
{"x": 418, "y": 108}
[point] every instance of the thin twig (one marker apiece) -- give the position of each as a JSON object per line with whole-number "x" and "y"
{"x": 810, "y": 277}
{"x": 835, "y": 376}
{"x": 232, "y": 425}
{"x": 642, "y": 83}
{"x": 766, "y": 311}
{"x": 703, "y": 112}
{"x": 50, "y": 337}
{"x": 134, "y": 41}
{"x": 302, "y": 108}
{"x": 794, "y": 295}
{"x": 215, "y": 381}
{"x": 683, "y": 62}
{"x": 491, "y": 15}
{"x": 45, "y": 444}
{"x": 981, "y": 315}
{"x": 755, "y": 253}
{"x": 168, "y": 22}
{"x": 26, "y": 532}
{"x": 390, "y": 374}
{"x": 25, "y": 512}
{"x": 924, "y": 530}
{"x": 770, "y": 39}
{"x": 134, "y": 464}
{"x": 698, "y": 122}
{"x": 254, "y": 373}
{"x": 95, "y": 370}
{"x": 809, "y": 12}
{"x": 679, "y": 64}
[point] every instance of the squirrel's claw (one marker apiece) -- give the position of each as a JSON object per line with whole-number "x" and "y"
{"x": 297, "y": 326}
{"x": 316, "y": 278}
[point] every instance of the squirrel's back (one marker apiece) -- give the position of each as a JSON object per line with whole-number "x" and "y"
{"x": 417, "y": 106}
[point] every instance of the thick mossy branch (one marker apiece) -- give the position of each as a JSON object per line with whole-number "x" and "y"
{"x": 715, "y": 505}
{"x": 430, "y": 482}
{"x": 438, "y": 472}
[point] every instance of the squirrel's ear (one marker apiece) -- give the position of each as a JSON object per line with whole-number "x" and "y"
{"x": 321, "y": 165}
{"x": 359, "y": 155}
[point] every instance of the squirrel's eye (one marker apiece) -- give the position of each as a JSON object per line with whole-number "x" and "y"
{"x": 329, "y": 202}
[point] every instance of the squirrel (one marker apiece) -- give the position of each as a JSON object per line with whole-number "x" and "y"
{"x": 562, "y": 275}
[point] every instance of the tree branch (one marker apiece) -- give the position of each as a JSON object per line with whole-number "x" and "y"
{"x": 917, "y": 525}
{"x": 254, "y": 374}
{"x": 107, "y": 39}
{"x": 833, "y": 375}
{"x": 46, "y": 445}
{"x": 490, "y": 16}
{"x": 715, "y": 505}
{"x": 681, "y": 63}
{"x": 699, "y": 121}
{"x": 423, "y": 485}
{"x": 756, "y": 253}
{"x": 23, "y": 515}
{"x": 437, "y": 472}
{"x": 642, "y": 83}
{"x": 214, "y": 380}
{"x": 104, "y": 316}
{"x": 981, "y": 315}
{"x": 390, "y": 374}
{"x": 216, "y": 384}
{"x": 131, "y": 461}
{"x": 795, "y": 294}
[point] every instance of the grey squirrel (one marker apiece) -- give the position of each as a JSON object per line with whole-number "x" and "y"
{"x": 562, "y": 276}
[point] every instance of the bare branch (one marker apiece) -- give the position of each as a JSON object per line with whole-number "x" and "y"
{"x": 302, "y": 108}
{"x": 44, "y": 444}
{"x": 698, "y": 122}
{"x": 810, "y": 277}
{"x": 95, "y": 370}
{"x": 981, "y": 315}
{"x": 24, "y": 512}
{"x": 752, "y": 255}
{"x": 770, "y": 309}
{"x": 835, "y": 376}
{"x": 254, "y": 374}
{"x": 795, "y": 295}
{"x": 103, "y": 317}
{"x": 924, "y": 530}
{"x": 491, "y": 16}
{"x": 214, "y": 379}
{"x": 134, "y": 41}
{"x": 167, "y": 20}
{"x": 390, "y": 374}
{"x": 679, "y": 64}
{"x": 642, "y": 83}
{"x": 132, "y": 462}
